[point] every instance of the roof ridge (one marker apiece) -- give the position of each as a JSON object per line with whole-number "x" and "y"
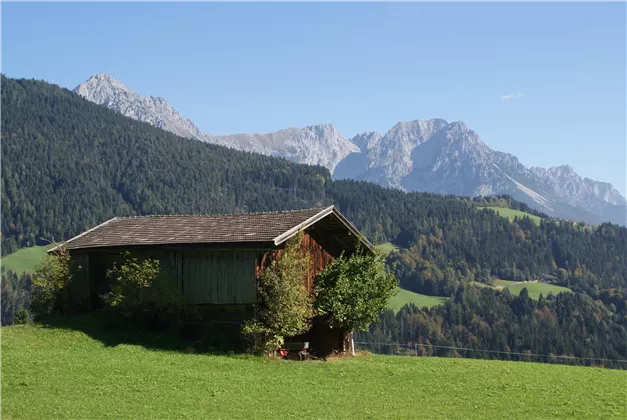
{"x": 266, "y": 228}
{"x": 220, "y": 214}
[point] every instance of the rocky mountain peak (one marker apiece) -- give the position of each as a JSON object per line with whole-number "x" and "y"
{"x": 103, "y": 78}
{"x": 105, "y": 90}
{"x": 458, "y": 132}
{"x": 366, "y": 141}
{"x": 421, "y": 155}
{"x": 562, "y": 170}
{"x": 415, "y": 132}
{"x": 458, "y": 127}
{"x": 323, "y": 129}
{"x": 451, "y": 158}
{"x": 102, "y": 85}
{"x": 314, "y": 145}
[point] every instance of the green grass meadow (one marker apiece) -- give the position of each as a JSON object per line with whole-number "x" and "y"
{"x": 511, "y": 213}
{"x": 26, "y": 259}
{"x": 404, "y": 297}
{"x": 387, "y": 247}
{"x": 65, "y": 374}
{"x": 534, "y": 289}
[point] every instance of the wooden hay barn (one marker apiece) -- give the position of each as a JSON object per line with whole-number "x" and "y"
{"x": 213, "y": 261}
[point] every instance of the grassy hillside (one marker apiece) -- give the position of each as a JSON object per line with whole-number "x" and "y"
{"x": 63, "y": 373}
{"x": 404, "y": 297}
{"x": 26, "y": 259}
{"x": 511, "y": 213}
{"x": 534, "y": 289}
{"x": 387, "y": 247}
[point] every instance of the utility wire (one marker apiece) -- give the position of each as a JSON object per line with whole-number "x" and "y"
{"x": 415, "y": 345}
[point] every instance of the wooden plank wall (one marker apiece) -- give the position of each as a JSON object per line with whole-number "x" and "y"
{"x": 319, "y": 258}
{"x": 219, "y": 277}
{"x": 203, "y": 277}
{"x": 210, "y": 276}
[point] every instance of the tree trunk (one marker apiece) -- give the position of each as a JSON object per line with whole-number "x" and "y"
{"x": 348, "y": 344}
{"x": 352, "y": 345}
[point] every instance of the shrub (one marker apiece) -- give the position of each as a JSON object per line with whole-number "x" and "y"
{"x": 51, "y": 283}
{"x": 22, "y": 316}
{"x": 284, "y": 308}
{"x": 129, "y": 282}
{"x": 354, "y": 290}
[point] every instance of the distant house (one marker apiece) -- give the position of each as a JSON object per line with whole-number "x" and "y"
{"x": 213, "y": 261}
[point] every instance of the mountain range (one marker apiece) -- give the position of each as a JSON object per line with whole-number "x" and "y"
{"x": 423, "y": 155}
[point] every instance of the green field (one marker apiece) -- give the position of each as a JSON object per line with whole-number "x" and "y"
{"x": 387, "y": 247}
{"x": 534, "y": 289}
{"x": 404, "y": 297}
{"x": 26, "y": 259}
{"x": 64, "y": 373}
{"x": 510, "y": 213}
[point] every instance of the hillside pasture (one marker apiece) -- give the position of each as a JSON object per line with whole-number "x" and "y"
{"x": 511, "y": 213}
{"x": 65, "y": 373}
{"x": 534, "y": 289}
{"x": 404, "y": 297}
{"x": 25, "y": 260}
{"x": 387, "y": 247}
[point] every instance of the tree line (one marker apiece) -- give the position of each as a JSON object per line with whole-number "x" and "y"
{"x": 570, "y": 328}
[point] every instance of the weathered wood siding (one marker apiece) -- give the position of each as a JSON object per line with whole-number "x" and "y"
{"x": 220, "y": 277}
{"x": 203, "y": 276}
{"x": 318, "y": 254}
{"x": 223, "y": 277}
{"x": 319, "y": 258}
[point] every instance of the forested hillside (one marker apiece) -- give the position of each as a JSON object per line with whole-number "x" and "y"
{"x": 446, "y": 239}
{"x": 68, "y": 164}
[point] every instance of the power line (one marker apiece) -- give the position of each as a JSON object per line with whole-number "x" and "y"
{"x": 415, "y": 345}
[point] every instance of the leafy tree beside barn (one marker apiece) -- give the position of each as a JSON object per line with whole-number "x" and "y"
{"x": 354, "y": 290}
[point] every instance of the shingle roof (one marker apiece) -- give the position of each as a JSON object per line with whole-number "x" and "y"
{"x": 166, "y": 230}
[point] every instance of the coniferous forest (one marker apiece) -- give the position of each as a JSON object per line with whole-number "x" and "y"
{"x": 68, "y": 165}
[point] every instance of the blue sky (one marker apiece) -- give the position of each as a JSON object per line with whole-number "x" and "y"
{"x": 543, "y": 81}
